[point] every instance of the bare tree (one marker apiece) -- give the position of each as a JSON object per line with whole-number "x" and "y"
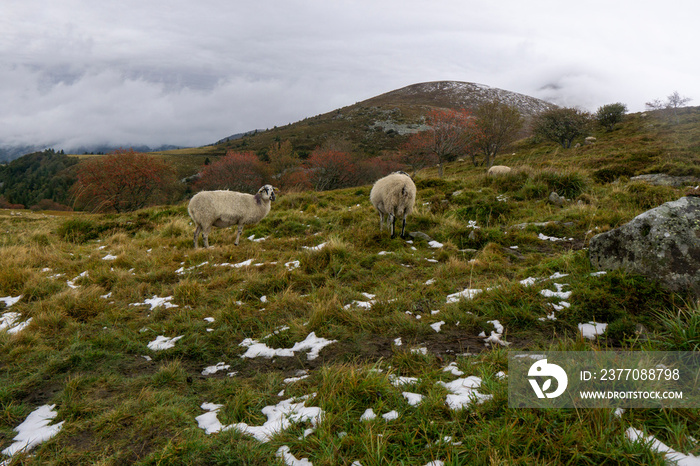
{"x": 498, "y": 124}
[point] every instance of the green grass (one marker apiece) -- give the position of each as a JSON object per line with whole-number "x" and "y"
{"x": 85, "y": 352}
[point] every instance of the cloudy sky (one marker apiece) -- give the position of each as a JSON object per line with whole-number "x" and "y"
{"x": 190, "y": 72}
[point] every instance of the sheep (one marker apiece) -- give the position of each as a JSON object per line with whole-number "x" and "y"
{"x": 225, "y": 208}
{"x": 394, "y": 196}
{"x": 498, "y": 170}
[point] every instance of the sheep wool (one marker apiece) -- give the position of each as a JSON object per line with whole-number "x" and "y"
{"x": 225, "y": 208}
{"x": 394, "y": 196}
{"x": 498, "y": 170}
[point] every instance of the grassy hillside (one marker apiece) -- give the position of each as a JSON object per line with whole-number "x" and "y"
{"x": 100, "y": 288}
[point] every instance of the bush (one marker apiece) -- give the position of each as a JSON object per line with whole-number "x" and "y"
{"x": 569, "y": 185}
{"x": 610, "y": 115}
{"x": 610, "y": 174}
{"x": 79, "y": 230}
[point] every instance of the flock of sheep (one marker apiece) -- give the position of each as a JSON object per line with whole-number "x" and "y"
{"x": 393, "y": 196}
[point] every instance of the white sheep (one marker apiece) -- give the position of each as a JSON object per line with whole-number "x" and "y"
{"x": 498, "y": 170}
{"x": 225, "y": 208}
{"x": 394, "y": 196}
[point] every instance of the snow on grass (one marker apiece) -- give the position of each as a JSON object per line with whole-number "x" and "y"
{"x": 390, "y": 416}
{"x": 496, "y": 335}
{"x": 414, "y": 399}
{"x": 312, "y": 343}
{"x": 397, "y": 380}
{"x": 592, "y": 329}
{"x": 671, "y": 455}
{"x": 291, "y": 265}
{"x": 257, "y": 240}
{"x": 315, "y": 248}
{"x": 464, "y": 392}
{"x": 363, "y": 304}
{"x": 552, "y": 238}
{"x": 221, "y": 366}
{"x": 71, "y": 283}
{"x": 9, "y": 321}
{"x": 289, "y": 459}
{"x": 368, "y": 415}
{"x": 469, "y": 293}
{"x": 435, "y": 244}
{"x": 437, "y": 325}
{"x": 162, "y": 343}
{"x": 430, "y": 282}
{"x": 157, "y": 301}
{"x": 453, "y": 369}
{"x": 279, "y": 417}
{"x": 557, "y": 294}
{"x": 109, "y": 257}
{"x": 34, "y": 430}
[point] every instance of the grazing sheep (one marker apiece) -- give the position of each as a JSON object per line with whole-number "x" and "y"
{"x": 394, "y": 196}
{"x": 498, "y": 170}
{"x": 225, "y": 208}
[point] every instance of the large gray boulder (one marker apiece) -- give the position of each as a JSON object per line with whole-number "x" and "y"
{"x": 662, "y": 244}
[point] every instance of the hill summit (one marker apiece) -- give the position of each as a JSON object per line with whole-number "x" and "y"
{"x": 381, "y": 122}
{"x": 457, "y": 94}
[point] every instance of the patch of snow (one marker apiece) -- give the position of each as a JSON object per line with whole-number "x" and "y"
{"x": 552, "y": 238}
{"x": 671, "y": 455}
{"x": 109, "y": 257}
{"x": 453, "y": 369}
{"x": 464, "y": 392}
{"x": 556, "y": 294}
{"x": 312, "y": 343}
{"x": 422, "y": 350}
{"x": 162, "y": 343}
{"x": 289, "y": 459}
{"x": 292, "y": 265}
{"x": 598, "y": 274}
{"x": 9, "y": 321}
{"x": 468, "y": 293}
{"x": 435, "y": 244}
{"x": 398, "y": 342}
{"x": 252, "y": 238}
{"x": 437, "y": 325}
{"x": 430, "y": 282}
{"x": 34, "y": 430}
{"x": 279, "y": 417}
{"x": 209, "y": 319}
{"x": 157, "y": 301}
{"x": 592, "y": 329}
{"x": 391, "y": 415}
{"x": 209, "y": 370}
{"x": 397, "y": 380}
{"x": 413, "y": 399}
{"x": 315, "y": 248}
{"x": 276, "y": 331}
{"x": 71, "y": 283}
{"x": 495, "y": 337}
{"x": 368, "y": 415}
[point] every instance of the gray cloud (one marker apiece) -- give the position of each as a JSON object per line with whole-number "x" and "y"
{"x": 75, "y": 73}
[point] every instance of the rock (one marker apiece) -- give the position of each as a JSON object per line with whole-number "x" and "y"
{"x": 589, "y": 140}
{"x": 662, "y": 179}
{"x": 420, "y": 234}
{"x": 662, "y": 244}
{"x": 556, "y": 199}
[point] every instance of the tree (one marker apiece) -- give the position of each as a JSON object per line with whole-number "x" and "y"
{"x": 282, "y": 157}
{"x": 123, "y": 181}
{"x": 498, "y": 124}
{"x": 673, "y": 103}
{"x": 562, "y": 125}
{"x": 610, "y": 115}
{"x": 331, "y": 169}
{"x": 237, "y": 171}
{"x": 452, "y": 134}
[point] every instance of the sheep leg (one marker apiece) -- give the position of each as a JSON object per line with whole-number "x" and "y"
{"x": 238, "y": 235}
{"x": 205, "y": 235}
{"x": 381, "y": 221}
{"x": 392, "y": 220}
{"x": 403, "y": 227}
{"x": 197, "y": 231}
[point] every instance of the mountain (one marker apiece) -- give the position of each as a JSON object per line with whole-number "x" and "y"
{"x": 380, "y": 123}
{"x": 10, "y": 153}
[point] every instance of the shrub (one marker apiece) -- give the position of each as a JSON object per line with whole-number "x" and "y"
{"x": 610, "y": 115}
{"x": 79, "y": 230}
{"x": 569, "y": 185}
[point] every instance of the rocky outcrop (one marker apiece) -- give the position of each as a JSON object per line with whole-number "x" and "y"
{"x": 661, "y": 179}
{"x": 662, "y": 244}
